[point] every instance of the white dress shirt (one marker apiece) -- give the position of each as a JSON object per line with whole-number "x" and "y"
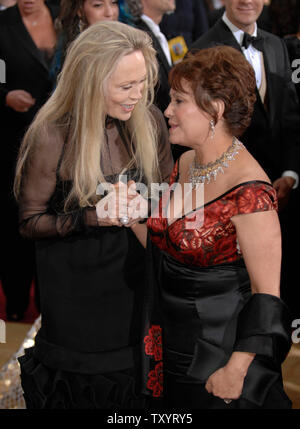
{"x": 251, "y": 53}
{"x": 159, "y": 35}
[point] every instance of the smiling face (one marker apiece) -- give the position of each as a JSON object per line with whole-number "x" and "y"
{"x": 244, "y": 13}
{"x": 100, "y": 10}
{"x": 189, "y": 125}
{"x": 125, "y": 86}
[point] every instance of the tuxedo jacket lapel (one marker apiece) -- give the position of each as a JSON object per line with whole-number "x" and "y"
{"x": 225, "y": 37}
{"x": 270, "y": 67}
{"x": 157, "y": 46}
{"x": 161, "y": 53}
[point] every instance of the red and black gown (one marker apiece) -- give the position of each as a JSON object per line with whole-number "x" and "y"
{"x": 200, "y": 308}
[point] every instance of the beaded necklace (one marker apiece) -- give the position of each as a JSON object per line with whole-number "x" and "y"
{"x": 200, "y": 173}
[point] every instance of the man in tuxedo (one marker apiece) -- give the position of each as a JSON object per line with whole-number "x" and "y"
{"x": 273, "y": 137}
{"x": 263, "y": 21}
{"x": 152, "y": 14}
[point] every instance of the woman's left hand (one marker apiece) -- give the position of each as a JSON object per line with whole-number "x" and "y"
{"x": 226, "y": 383}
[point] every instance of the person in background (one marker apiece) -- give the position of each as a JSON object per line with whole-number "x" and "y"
{"x": 263, "y": 21}
{"x": 214, "y": 304}
{"x": 6, "y": 3}
{"x": 99, "y": 124}
{"x": 189, "y": 20}
{"x": 148, "y": 14}
{"x": 74, "y": 17}
{"x": 27, "y": 42}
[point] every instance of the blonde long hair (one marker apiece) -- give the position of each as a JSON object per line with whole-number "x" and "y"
{"x": 78, "y": 103}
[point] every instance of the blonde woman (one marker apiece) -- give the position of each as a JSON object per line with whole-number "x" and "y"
{"x": 98, "y": 124}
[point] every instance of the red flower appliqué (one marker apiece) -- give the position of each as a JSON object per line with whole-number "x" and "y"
{"x": 155, "y": 382}
{"x": 153, "y": 342}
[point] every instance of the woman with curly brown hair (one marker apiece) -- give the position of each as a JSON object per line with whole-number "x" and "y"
{"x": 216, "y": 245}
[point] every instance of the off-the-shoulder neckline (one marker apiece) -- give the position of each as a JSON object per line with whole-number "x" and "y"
{"x": 219, "y": 197}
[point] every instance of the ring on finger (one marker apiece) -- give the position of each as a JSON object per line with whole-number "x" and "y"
{"x": 124, "y": 220}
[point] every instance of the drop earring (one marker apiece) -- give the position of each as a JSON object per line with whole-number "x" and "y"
{"x": 81, "y": 25}
{"x": 212, "y": 127}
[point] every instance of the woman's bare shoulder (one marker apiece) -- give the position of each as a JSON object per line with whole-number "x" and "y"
{"x": 247, "y": 169}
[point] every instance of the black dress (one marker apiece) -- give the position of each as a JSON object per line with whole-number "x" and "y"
{"x": 91, "y": 281}
{"x": 199, "y": 307}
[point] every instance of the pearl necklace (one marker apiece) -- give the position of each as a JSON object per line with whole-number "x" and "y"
{"x": 200, "y": 173}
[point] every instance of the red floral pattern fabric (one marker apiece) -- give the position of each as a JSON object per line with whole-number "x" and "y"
{"x": 153, "y": 343}
{"x": 213, "y": 239}
{"x": 153, "y": 349}
{"x": 155, "y": 382}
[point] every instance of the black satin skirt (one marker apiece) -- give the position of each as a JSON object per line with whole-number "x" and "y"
{"x": 200, "y": 310}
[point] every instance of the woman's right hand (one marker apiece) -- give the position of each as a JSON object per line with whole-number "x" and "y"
{"x": 19, "y": 100}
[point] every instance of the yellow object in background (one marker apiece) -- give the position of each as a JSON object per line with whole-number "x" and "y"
{"x": 178, "y": 49}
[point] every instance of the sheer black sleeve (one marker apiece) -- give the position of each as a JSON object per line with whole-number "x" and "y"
{"x": 38, "y": 218}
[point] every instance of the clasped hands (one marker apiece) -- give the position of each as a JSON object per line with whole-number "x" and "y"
{"x": 121, "y": 200}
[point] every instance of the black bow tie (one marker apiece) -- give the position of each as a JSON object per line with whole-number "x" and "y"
{"x": 251, "y": 40}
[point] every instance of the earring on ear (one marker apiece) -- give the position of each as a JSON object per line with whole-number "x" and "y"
{"x": 81, "y": 25}
{"x": 212, "y": 127}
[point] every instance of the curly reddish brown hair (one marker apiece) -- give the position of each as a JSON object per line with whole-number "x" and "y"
{"x": 219, "y": 73}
